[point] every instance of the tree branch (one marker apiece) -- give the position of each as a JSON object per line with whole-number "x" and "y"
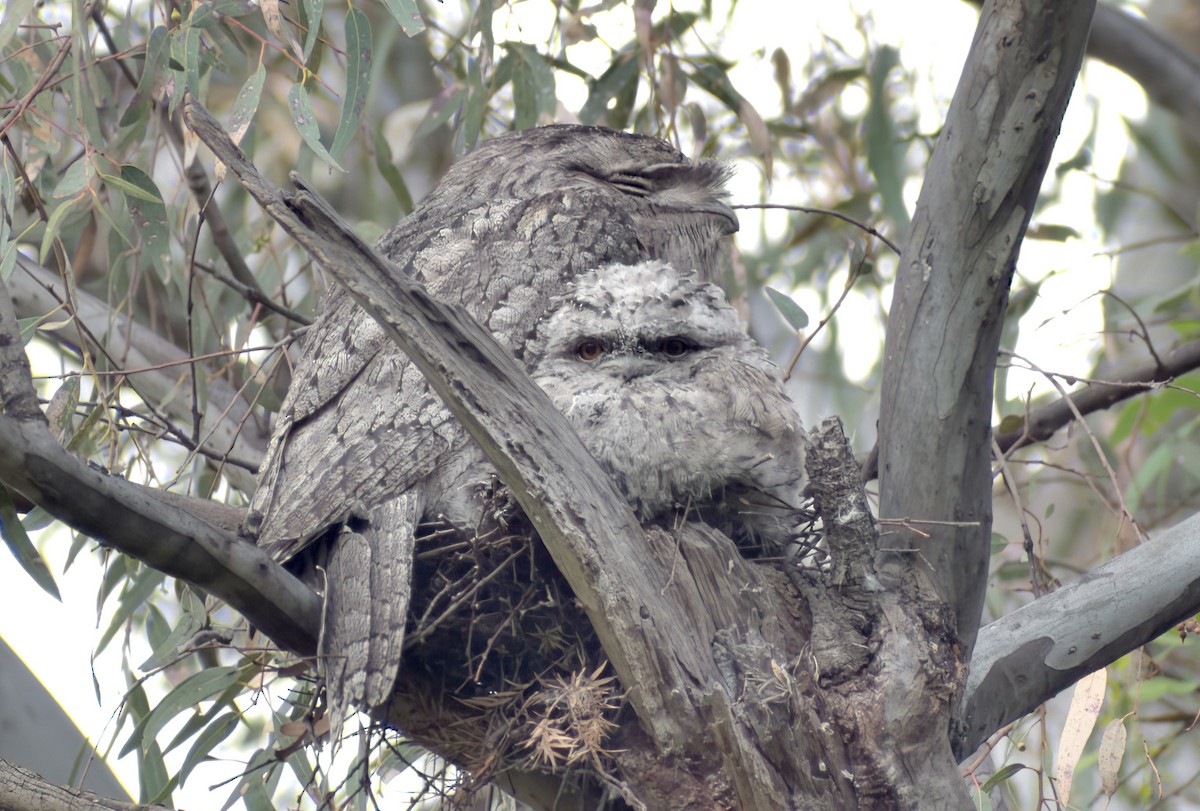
{"x": 1169, "y": 75}
{"x": 1032, "y": 654}
{"x": 952, "y": 288}
{"x": 141, "y": 521}
{"x": 23, "y": 790}
{"x": 1040, "y": 424}
{"x": 226, "y": 432}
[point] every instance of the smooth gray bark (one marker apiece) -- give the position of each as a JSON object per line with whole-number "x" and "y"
{"x": 952, "y": 289}
{"x": 1037, "y": 651}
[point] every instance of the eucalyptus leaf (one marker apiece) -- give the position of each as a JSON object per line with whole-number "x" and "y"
{"x": 884, "y": 149}
{"x": 358, "y": 79}
{"x": 216, "y": 732}
{"x": 245, "y": 105}
{"x": 312, "y": 13}
{"x": 792, "y": 312}
{"x": 14, "y": 14}
{"x": 306, "y": 124}
{"x": 620, "y": 75}
{"x": 133, "y": 597}
{"x": 186, "y": 695}
{"x": 407, "y": 15}
{"x": 22, "y": 547}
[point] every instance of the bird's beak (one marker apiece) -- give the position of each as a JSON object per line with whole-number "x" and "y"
{"x": 637, "y": 366}
{"x": 724, "y": 213}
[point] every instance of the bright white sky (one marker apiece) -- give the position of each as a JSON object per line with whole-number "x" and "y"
{"x": 56, "y": 639}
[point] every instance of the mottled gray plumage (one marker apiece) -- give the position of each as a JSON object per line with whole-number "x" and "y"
{"x": 363, "y": 445}
{"x": 656, "y": 373}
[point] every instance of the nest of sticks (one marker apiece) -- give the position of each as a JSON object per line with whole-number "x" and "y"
{"x": 501, "y": 667}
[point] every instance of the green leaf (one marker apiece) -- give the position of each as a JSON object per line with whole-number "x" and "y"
{"x": 406, "y": 13}
{"x": 14, "y": 13}
{"x": 198, "y": 721}
{"x": 1156, "y": 688}
{"x": 1001, "y": 775}
{"x": 884, "y": 150}
{"x": 233, "y": 8}
{"x": 156, "y": 46}
{"x": 152, "y": 772}
{"x": 191, "y": 55}
{"x": 22, "y": 547}
{"x": 613, "y": 83}
{"x": 157, "y": 627}
{"x": 132, "y": 189}
{"x": 133, "y": 597}
{"x": 250, "y": 789}
{"x": 483, "y": 25}
{"x": 74, "y": 180}
{"x": 472, "y": 118}
{"x": 311, "y": 12}
{"x": 246, "y": 105}
{"x": 358, "y": 79}
{"x": 192, "y": 620}
{"x": 190, "y": 692}
{"x": 1157, "y": 464}
{"x": 54, "y": 224}
{"x": 439, "y": 115}
{"x": 149, "y": 217}
{"x": 791, "y": 311}
{"x": 391, "y": 175}
{"x": 134, "y": 120}
{"x": 202, "y": 16}
{"x": 306, "y": 124}
{"x": 81, "y": 441}
{"x": 8, "y": 245}
{"x": 534, "y": 96}
{"x": 206, "y": 741}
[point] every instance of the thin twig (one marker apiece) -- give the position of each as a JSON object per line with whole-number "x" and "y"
{"x": 1145, "y": 333}
{"x": 1125, "y": 512}
{"x": 1011, "y": 486}
{"x": 854, "y": 274}
{"x": 254, "y": 294}
{"x": 829, "y": 213}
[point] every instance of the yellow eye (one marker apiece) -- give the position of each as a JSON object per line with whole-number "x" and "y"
{"x": 675, "y": 347}
{"x": 589, "y": 349}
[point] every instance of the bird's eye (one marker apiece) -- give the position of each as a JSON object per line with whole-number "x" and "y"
{"x": 631, "y": 183}
{"x": 589, "y": 349}
{"x": 675, "y": 347}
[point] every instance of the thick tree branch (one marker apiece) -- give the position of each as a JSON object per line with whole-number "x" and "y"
{"x": 140, "y": 521}
{"x": 23, "y": 790}
{"x": 1169, "y": 75}
{"x": 1032, "y": 654}
{"x": 952, "y": 288}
